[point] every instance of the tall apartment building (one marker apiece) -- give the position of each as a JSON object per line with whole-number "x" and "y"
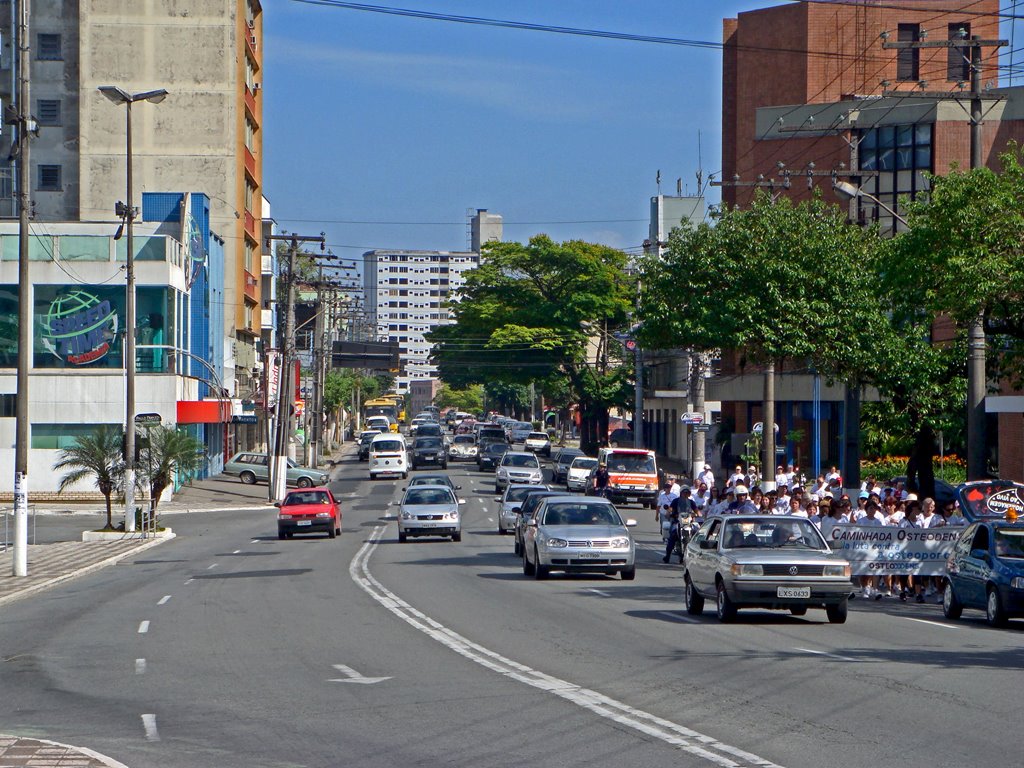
{"x": 205, "y": 136}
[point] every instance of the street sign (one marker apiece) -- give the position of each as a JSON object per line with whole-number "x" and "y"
{"x": 147, "y": 418}
{"x": 701, "y": 427}
{"x": 692, "y": 418}
{"x": 758, "y": 428}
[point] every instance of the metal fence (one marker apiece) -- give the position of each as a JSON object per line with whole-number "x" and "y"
{"x": 8, "y": 536}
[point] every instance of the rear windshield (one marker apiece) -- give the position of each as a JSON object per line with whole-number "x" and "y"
{"x": 584, "y": 462}
{"x": 428, "y": 442}
{"x": 520, "y": 460}
{"x": 630, "y": 462}
{"x": 518, "y": 493}
{"x": 467, "y": 439}
{"x": 581, "y": 514}
{"x": 387, "y": 445}
{"x": 496, "y": 448}
{"x": 428, "y": 496}
{"x": 537, "y": 436}
{"x": 1010, "y": 543}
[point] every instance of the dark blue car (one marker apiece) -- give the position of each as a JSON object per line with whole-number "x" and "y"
{"x": 986, "y": 571}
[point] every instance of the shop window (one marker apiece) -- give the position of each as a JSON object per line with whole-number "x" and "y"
{"x": 57, "y": 436}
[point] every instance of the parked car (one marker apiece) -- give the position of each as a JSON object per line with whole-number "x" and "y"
{"x": 578, "y": 535}
{"x": 462, "y": 448}
{"x": 388, "y": 456}
{"x": 429, "y": 450}
{"x": 311, "y": 510}
{"x": 529, "y": 506}
{"x": 510, "y": 505}
{"x": 561, "y": 458}
{"x": 764, "y": 561}
{"x": 489, "y": 455}
{"x": 429, "y": 510}
{"x": 986, "y": 572}
{"x": 517, "y": 467}
{"x": 538, "y": 442}
{"x": 250, "y": 467}
{"x": 365, "y": 438}
{"x": 580, "y": 472}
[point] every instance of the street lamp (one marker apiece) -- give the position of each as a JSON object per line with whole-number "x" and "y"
{"x": 848, "y": 191}
{"x": 127, "y": 212}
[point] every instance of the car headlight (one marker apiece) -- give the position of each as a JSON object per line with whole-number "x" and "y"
{"x": 284, "y": 517}
{"x": 837, "y": 570}
{"x": 649, "y": 487}
{"x": 473, "y": 451}
{"x": 622, "y": 542}
{"x": 451, "y": 515}
{"x": 557, "y": 543}
{"x": 1017, "y": 582}
{"x": 323, "y": 479}
{"x": 613, "y": 485}
{"x": 746, "y": 569}
{"x": 323, "y": 514}
{"x": 408, "y": 516}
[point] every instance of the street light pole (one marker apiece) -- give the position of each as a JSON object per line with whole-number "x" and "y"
{"x": 127, "y": 213}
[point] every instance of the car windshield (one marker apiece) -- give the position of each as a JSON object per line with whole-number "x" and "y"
{"x": 463, "y": 439}
{"x": 581, "y": 514}
{"x": 520, "y": 460}
{"x": 496, "y": 448}
{"x": 429, "y": 442}
{"x": 566, "y": 456}
{"x": 429, "y": 496}
{"x": 537, "y": 436}
{"x": 630, "y": 462}
{"x": 583, "y": 463}
{"x": 1010, "y": 543}
{"x": 387, "y": 445}
{"x": 518, "y": 493}
{"x": 306, "y": 497}
{"x": 430, "y": 480}
{"x": 771, "y": 534}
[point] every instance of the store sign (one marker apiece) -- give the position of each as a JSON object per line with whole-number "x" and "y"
{"x": 79, "y": 327}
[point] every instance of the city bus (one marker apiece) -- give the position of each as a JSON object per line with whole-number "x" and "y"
{"x": 382, "y": 407}
{"x": 399, "y": 403}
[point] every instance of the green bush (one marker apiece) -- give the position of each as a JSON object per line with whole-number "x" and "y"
{"x": 952, "y": 469}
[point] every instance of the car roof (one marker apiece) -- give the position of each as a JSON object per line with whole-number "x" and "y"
{"x": 446, "y": 478}
{"x": 577, "y": 499}
{"x": 389, "y": 436}
{"x": 521, "y": 453}
{"x": 307, "y": 490}
{"x": 435, "y": 487}
{"x": 637, "y": 451}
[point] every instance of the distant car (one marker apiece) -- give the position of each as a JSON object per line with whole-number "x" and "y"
{"x": 620, "y": 438}
{"x": 489, "y": 456}
{"x": 562, "y": 458}
{"x": 538, "y": 442}
{"x": 517, "y": 467}
{"x": 764, "y": 561}
{"x": 250, "y": 467}
{"x": 580, "y": 472}
{"x": 531, "y": 502}
{"x": 432, "y": 479}
{"x": 510, "y": 504}
{"x": 487, "y": 434}
{"x": 428, "y": 450}
{"x": 430, "y": 429}
{"x": 429, "y": 510}
{"x": 519, "y": 430}
{"x": 462, "y": 448}
{"x": 986, "y": 571}
{"x": 383, "y": 423}
{"x": 578, "y": 534}
{"x": 311, "y": 510}
{"x": 364, "y": 439}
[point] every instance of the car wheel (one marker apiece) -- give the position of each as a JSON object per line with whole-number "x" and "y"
{"x": 282, "y": 535}
{"x": 952, "y": 608}
{"x": 501, "y": 531}
{"x": 304, "y": 482}
{"x": 497, "y": 488}
{"x": 332, "y": 532}
{"x": 527, "y": 565}
{"x": 837, "y": 613}
{"x": 693, "y": 598}
{"x": 457, "y": 536}
{"x": 798, "y": 610}
{"x": 405, "y": 475}
{"x": 995, "y": 614}
{"x": 540, "y": 571}
{"x": 628, "y": 574}
{"x": 248, "y": 478}
{"x": 402, "y": 538}
{"x": 723, "y": 606}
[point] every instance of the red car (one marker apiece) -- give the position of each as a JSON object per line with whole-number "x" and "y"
{"x": 307, "y": 510}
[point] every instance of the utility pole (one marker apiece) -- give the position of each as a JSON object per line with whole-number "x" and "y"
{"x": 698, "y": 366}
{"x": 279, "y": 462}
{"x": 21, "y": 440}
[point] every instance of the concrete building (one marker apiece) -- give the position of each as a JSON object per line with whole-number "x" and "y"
{"x": 484, "y": 227}
{"x": 421, "y": 394}
{"x": 206, "y": 135}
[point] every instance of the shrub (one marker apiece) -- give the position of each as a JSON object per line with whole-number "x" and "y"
{"x": 952, "y": 468}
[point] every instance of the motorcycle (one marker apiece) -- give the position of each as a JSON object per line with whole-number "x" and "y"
{"x": 688, "y": 525}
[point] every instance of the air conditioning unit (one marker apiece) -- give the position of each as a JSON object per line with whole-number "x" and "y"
{"x": 252, "y": 40}
{"x": 256, "y": 87}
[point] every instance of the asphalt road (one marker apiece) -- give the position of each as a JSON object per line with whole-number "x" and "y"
{"x": 220, "y": 648}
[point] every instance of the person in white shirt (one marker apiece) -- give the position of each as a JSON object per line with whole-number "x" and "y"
{"x": 797, "y": 508}
{"x": 706, "y": 476}
{"x": 861, "y": 510}
{"x": 780, "y": 476}
{"x": 832, "y": 474}
{"x": 723, "y": 503}
{"x": 665, "y": 499}
{"x": 675, "y": 485}
{"x": 869, "y": 584}
{"x": 737, "y": 477}
{"x": 753, "y": 477}
{"x": 782, "y": 503}
{"x": 928, "y": 517}
{"x": 700, "y": 496}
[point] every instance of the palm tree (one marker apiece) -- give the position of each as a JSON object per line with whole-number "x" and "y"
{"x": 165, "y": 453}
{"x": 98, "y": 456}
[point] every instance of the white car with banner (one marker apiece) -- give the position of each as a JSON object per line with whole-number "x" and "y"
{"x": 888, "y": 550}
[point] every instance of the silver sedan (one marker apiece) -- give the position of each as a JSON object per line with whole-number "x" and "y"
{"x": 578, "y": 535}
{"x": 430, "y": 510}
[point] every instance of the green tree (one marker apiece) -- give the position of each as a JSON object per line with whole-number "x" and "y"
{"x": 98, "y": 456}
{"x": 533, "y": 311}
{"x": 470, "y": 399}
{"x": 167, "y": 452}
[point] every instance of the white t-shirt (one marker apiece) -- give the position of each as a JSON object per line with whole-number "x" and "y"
{"x": 781, "y": 478}
{"x": 935, "y": 521}
{"x": 707, "y": 477}
{"x": 876, "y": 520}
{"x": 736, "y": 478}
{"x": 798, "y": 513}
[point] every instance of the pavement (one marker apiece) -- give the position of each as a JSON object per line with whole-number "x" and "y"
{"x": 17, "y": 752}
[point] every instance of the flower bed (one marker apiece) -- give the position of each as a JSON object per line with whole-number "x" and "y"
{"x": 951, "y": 468}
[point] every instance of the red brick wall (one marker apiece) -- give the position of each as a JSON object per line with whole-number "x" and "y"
{"x": 1011, "y": 446}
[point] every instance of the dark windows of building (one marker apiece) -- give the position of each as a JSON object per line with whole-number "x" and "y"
{"x": 958, "y": 60}
{"x": 48, "y": 111}
{"x": 48, "y": 47}
{"x": 8, "y": 403}
{"x": 901, "y": 155}
{"x": 49, "y": 178}
{"x": 908, "y": 60}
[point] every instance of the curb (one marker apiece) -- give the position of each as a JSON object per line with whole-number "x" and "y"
{"x": 261, "y": 505}
{"x": 30, "y": 590}
{"x": 103, "y": 759}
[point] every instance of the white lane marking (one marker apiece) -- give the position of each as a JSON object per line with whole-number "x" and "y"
{"x": 351, "y": 676}
{"x": 212, "y": 565}
{"x": 140, "y": 666}
{"x": 143, "y": 627}
{"x": 678, "y": 617}
{"x": 686, "y": 739}
{"x": 255, "y": 541}
{"x": 190, "y": 581}
{"x": 149, "y": 724}
{"x": 933, "y": 623}
{"x": 163, "y": 600}
{"x": 236, "y": 552}
{"x": 824, "y": 653}
{"x": 600, "y": 592}
{"x": 490, "y": 519}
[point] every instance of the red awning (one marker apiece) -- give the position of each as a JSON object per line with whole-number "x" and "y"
{"x": 204, "y": 411}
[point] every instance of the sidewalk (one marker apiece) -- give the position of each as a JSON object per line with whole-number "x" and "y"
{"x": 16, "y": 753}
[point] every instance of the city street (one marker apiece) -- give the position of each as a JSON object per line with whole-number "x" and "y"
{"x": 229, "y": 647}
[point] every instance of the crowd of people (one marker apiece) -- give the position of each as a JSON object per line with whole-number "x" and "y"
{"x": 823, "y": 502}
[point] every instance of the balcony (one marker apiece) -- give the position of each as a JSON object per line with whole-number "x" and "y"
{"x": 250, "y": 163}
{"x": 252, "y": 287}
{"x": 268, "y": 264}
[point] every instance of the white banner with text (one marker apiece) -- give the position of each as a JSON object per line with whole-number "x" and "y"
{"x": 887, "y": 550}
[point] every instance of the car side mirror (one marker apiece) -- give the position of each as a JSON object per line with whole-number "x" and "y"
{"x": 631, "y": 523}
{"x": 979, "y": 554}
{"x": 462, "y": 501}
{"x": 531, "y": 523}
{"x": 277, "y": 503}
{"x": 497, "y": 498}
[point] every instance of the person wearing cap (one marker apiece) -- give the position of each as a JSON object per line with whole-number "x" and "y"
{"x": 665, "y": 499}
{"x": 862, "y": 503}
{"x": 753, "y": 476}
{"x": 780, "y": 475}
{"x": 706, "y": 476}
{"x": 742, "y": 505}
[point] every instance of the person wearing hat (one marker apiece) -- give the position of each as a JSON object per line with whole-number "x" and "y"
{"x": 706, "y": 476}
{"x": 860, "y": 509}
{"x": 742, "y": 505}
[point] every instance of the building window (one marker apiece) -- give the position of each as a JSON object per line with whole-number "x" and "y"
{"x": 250, "y": 313}
{"x": 48, "y": 47}
{"x": 250, "y": 135}
{"x": 250, "y": 257}
{"x": 48, "y": 111}
{"x": 250, "y": 195}
{"x": 908, "y": 60}
{"x": 8, "y": 404}
{"x": 901, "y": 155}
{"x": 958, "y": 60}
{"x": 49, "y": 178}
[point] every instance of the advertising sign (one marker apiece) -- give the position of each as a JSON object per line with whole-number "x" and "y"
{"x": 888, "y": 550}
{"x": 988, "y": 499}
{"x": 79, "y": 327}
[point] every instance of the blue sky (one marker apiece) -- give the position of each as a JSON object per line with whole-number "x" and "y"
{"x": 369, "y": 117}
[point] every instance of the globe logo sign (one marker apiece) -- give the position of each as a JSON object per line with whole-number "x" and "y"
{"x": 79, "y": 327}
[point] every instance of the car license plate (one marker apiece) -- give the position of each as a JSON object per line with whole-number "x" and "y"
{"x": 589, "y": 555}
{"x": 804, "y": 592}
{"x": 430, "y": 456}
{"x": 631, "y": 499}
{"x": 304, "y": 522}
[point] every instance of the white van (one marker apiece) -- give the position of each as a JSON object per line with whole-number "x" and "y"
{"x": 388, "y": 456}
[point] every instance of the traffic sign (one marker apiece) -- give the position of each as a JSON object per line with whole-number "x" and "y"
{"x": 147, "y": 418}
{"x": 701, "y": 427}
{"x": 758, "y": 428}
{"x": 692, "y": 418}
{"x": 630, "y": 344}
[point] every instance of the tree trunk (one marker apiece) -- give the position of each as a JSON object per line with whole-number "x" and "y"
{"x": 110, "y": 514}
